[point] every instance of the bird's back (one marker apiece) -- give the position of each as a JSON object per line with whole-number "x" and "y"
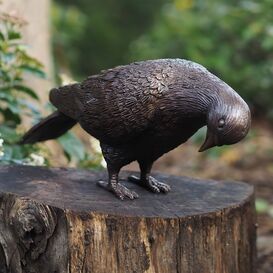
{"x": 125, "y": 101}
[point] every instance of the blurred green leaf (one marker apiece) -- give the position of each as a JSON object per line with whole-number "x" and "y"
{"x": 5, "y": 95}
{"x": 2, "y": 37}
{"x": 10, "y": 117}
{"x": 26, "y": 90}
{"x": 9, "y": 134}
{"x": 7, "y": 154}
{"x": 14, "y": 95}
{"x": 13, "y": 35}
{"x": 32, "y": 70}
{"x": 262, "y": 206}
{"x": 72, "y": 146}
{"x": 14, "y": 107}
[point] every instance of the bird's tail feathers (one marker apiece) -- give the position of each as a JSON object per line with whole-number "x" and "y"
{"x": 50, "y": 127}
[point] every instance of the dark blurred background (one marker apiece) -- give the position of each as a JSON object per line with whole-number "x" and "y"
{"x": 72, "y": 39}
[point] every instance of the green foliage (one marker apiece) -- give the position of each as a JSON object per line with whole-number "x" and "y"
{"x": 75, "y": 151}
{"x": 263, "y": 207}
{"x": 73, "y": 147}
{"x": 92, "y": 35}
{"x": 16, "y": 101}
{"x": 14, "y": 94}
{"x": 14, "y": 64}
{"x": 234, "y": 39}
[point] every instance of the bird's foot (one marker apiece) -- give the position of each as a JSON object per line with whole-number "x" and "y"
{"x": 119, "y": 190}
{"x": 151, "y": 184}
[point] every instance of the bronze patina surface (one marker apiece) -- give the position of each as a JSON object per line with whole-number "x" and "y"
{"x": 145, "y": 109}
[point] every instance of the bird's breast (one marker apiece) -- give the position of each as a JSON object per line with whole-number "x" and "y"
{"x": 162, "y": 139}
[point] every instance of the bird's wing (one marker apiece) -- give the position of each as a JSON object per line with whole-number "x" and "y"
{"x": 68, "y": 100}
{"x": 122, "y": 103}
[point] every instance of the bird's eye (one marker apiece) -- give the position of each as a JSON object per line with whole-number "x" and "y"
{"x": 221, "y": 123}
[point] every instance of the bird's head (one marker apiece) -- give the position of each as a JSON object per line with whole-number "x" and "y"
{"x": 228, "y": 122}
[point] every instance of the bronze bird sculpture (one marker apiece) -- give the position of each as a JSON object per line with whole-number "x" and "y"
{"x": 145, "y": 109}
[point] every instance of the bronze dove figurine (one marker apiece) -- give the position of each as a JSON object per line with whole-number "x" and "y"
{"x": 145, "y": 109}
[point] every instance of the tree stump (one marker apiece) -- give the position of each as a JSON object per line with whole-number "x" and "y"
{"x": 58, "y": 220}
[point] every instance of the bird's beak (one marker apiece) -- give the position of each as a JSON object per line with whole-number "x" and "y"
{"x": 209, "y": 142}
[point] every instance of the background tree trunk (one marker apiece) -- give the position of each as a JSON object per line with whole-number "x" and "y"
{"x": 58, "y": 220}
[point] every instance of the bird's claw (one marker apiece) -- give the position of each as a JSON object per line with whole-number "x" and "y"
{"x": 119, "y": 190}
{"x": 151, "y": 184}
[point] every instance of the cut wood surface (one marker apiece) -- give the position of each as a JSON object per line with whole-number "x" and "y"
{"x": 59, "y": 220}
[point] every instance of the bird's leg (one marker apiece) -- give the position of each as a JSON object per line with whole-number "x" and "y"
{"x": 147, "y": 181}
{"x": 114, "y": 186}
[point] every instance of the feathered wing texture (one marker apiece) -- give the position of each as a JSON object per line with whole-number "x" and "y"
{"x": 68, "y": 99}
{"x": 51, "y": 127}
{"x": 122, "y": 103}
{"x": 119, "y": 103}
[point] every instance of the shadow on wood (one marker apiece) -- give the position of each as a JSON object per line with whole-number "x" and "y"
{"x": 58, "y": 220}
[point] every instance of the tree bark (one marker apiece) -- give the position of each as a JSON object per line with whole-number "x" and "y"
{"x": 58, "y": 220}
